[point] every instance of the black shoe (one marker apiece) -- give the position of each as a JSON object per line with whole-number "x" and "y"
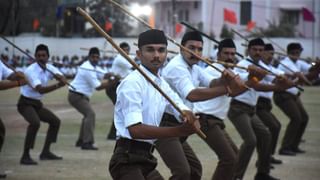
{"x": 270, "y": 166}
{"x": 275, "y": 161}
{"x": 88, "y": 146}
{"x": 27, "y": 161}
{"x": 287, "y": 152}
{"x": 2, "y": 176}
{"x": 79, "y": 143}
{"x": 264, "y": 176}
{"x": 298, "y": 150}
{"x": 49, "y": 156}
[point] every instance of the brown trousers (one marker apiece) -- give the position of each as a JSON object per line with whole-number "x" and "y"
{"x": 33, "y": 111}
{"x": 264, "y": 107}
{"x": 291, "y": 105}
{"x": 2, "y": 134}
{"x": 254, "y": 133}
{"x": 82, "y": 104}
{"x": 129, "y": 163}
{"x": 111, "y": 93}
{"x": 221, "y": 143}
{"x": 178, "y": 155}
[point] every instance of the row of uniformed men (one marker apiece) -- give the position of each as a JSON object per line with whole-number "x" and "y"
{"x": 204, "y": 92}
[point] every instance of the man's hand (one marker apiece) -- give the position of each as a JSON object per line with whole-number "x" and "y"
{"x": 283, "y": 82}
{"x": 112, "y": 78}
{"x": 302, "y": 79}
{"x": 61, "y": 79}
{"x": 22, "y": 82}
{"x": 190, "y": 123}
{"x": 189, "y": 117}
{"x": 233, "y": 83}
{"x": 20, "y": 76}
{"x": 256, "y": 73}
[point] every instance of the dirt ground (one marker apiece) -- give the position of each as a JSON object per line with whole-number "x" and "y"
{"x": 79, "y": 164}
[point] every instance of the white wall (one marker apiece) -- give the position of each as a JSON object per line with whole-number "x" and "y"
{"x": 71, "y": 46}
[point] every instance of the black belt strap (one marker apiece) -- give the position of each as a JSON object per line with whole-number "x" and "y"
{"x": 75, "y": 92}
{"x": 134, "y": 146}
{"x": 207, "y": 116}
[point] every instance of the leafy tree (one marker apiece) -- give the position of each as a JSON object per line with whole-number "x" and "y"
{"x": 226, "y": 32}
{"x": 103, "y": 13}
{"x": 283, "y": 29}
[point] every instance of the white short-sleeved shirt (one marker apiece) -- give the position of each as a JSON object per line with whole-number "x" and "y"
{"x": 87, "y": 79}
{"x": 121, "y": 66}
{"x": 298, "y": 66}
{"x": 37, "y": 76}
{"x": 250, "y": 96}
{"x": 139, "y": 102}
{"x": 183, "y": 79}
{"x": 4, "y": 71}
{"x": 269, "y": 80}
{"x": 218, "y": 106}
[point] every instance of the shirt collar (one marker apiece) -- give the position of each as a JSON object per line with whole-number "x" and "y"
{"x": 184, "y": 62}
{"x": 148, "y": 73}
{"x": 39, "y": 67}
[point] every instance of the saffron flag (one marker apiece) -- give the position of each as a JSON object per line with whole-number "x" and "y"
{"x": 152, "y": 21}
{"x": 178, "y": 28}
{"x": 251, "y": 25}
{"x": 308, "y": 15}
{"x": 229, "y": 16}
{"x": 35, "y": 24}
{"x": 107, "y": 25}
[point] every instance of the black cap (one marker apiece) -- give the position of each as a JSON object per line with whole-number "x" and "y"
{"x": 256, "y": 42}
{"x": 124, "y": 45}
{"x": 268, "y": 47}
{"x": 152, "y": 36}
{"x": 192, "y": 35}
{"x": 42, "y": 47}
{"x": 226, "y": 43}
{"x": 294, "y": 46}
{"x": 94, "y": 50}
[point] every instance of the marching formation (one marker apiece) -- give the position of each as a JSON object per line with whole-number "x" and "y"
{"x": 189, "y": 99}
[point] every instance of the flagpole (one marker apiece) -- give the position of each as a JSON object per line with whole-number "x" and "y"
{"x": 313, "y": 31}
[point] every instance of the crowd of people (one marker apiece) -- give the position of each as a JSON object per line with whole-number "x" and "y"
{"x": 201, "y": 99}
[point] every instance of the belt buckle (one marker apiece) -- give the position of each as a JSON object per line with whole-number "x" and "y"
{"x": 151, "y": 149}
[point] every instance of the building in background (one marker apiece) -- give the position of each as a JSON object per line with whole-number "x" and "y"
{"x": 242, "y": 15}
{"x": 59, "y": 17}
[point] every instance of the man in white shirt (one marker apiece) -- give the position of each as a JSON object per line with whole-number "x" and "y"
{"x": 212, "y": 113}
{"x": 193, "y": 85}
{"x": 290, "y": 103}
{"x": 120, "y": 68}
{"x": 8, "y": 79}
{"x": 88, "y": 79}
{"x": 242, "y": 114}
{"x": 139, "y": 109}
{"x": 264, "y": 105}
{"x": 31, "y": 108}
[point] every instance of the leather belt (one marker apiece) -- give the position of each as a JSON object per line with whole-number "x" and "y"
{"x": 134, "y": 146}
{"x": 241, "y": 103}
{"x": 75, "y": 92}
{"x": 207, "y": 116}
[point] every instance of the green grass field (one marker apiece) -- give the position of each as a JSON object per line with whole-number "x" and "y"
{"x": 78, "y": 164}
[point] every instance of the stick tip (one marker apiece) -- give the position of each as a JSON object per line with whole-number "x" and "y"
{"x": 79, "y": 9}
